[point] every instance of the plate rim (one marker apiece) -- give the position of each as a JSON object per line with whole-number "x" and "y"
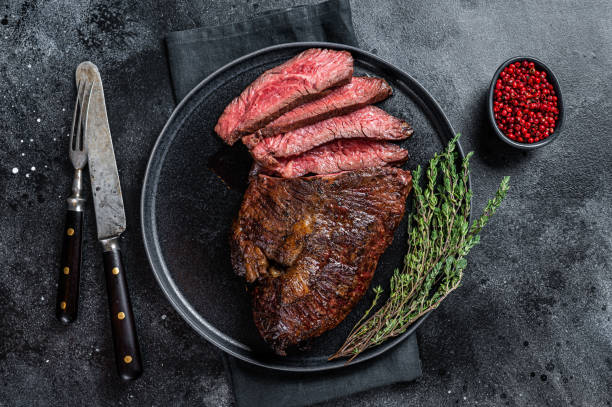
{"x": 151, "y": 240}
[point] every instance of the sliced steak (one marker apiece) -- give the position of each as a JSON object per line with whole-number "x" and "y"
{"x": 360, "y": 92}
{"x": 301, "y": 79}
{"x": 341, "y": 155}
{"x": 311, "y": 246}
{"x": 369, "y": 122}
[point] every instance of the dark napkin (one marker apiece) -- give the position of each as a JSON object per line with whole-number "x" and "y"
{"x": 254, "y": 386}
{"x": 192, "y": 55}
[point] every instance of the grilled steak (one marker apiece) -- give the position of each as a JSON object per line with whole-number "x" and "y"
{"x": 311, "y": 246}
{"x": 368, "y": 122}
{"x": 301, "y": 79}
{"x": 342, "y": 155}
{"x": 360, "y": 92}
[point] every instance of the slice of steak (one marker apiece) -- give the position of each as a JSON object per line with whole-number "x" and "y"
{"x": 360, "y": 92}
{"x": 341, "y": 155}
{"x": 301, "y": 79}
{"x": 311, "y": 246}
{"x": 369, "y": 122}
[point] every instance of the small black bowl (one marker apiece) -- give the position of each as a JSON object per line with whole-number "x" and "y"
{"x": 550, "y": 76}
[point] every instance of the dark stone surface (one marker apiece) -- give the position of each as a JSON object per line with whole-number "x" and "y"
{"x": 531, "y": 324}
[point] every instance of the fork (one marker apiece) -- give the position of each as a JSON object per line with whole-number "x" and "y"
{"x": 70, "y": 267}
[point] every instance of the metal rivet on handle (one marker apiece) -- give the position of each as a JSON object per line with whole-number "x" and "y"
{"x": 127, "y": 359}
{"x": 120, "y": 315}
{"x": 63, "y": 305}
{"x": 115, "y": 270}
{"x": 70, "y": 232}
{"x": 66, "y": 270}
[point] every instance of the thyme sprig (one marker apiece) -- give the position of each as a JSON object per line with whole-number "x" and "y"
{"x": 439, "y": 238}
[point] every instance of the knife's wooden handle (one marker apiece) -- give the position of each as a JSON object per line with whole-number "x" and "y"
{"x": 70, "y": 268}
{"x": 127, "y": 351}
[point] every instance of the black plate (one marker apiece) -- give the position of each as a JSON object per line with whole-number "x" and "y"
{"x": 187, "y": 210}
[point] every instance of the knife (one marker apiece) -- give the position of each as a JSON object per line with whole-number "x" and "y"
{"x": 110, "y": 223}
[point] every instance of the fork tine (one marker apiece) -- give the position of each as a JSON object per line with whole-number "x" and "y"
{"x": 74, "y": 117}
{"x": 84, "y": 115}
{"x": 77, "y": 135}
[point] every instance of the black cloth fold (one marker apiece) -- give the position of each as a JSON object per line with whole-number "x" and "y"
{"x": 192, "y": 55}
{"x": 255, "y": 386}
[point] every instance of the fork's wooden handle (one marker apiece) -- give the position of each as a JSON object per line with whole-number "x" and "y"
{"x": 127, "y": 351}
{"x": 70, "y": 268}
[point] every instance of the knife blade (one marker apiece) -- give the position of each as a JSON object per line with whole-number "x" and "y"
{"x": 110, "y": 223}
